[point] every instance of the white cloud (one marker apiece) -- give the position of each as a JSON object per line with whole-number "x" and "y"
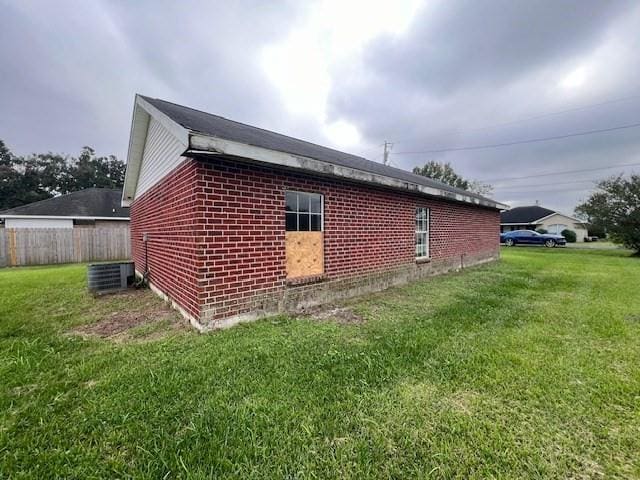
{"x": 301, "y": 65}
{"x": 343, "y": 134}
{"x": 575, "y": 79}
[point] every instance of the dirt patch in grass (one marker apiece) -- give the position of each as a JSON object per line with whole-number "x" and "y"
{"x": 133, "y": 314}
{"x": 342, "y": 315}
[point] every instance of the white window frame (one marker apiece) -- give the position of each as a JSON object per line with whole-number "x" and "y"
{"x": 297, "y": 211}
{"x": 423, "y": 232}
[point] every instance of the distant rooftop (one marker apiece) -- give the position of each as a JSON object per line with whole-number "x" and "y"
{"x": 525, "y": 215}
{"x": 91, "y": 202}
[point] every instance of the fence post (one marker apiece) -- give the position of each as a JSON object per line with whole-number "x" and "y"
{"x": 3, "y": 247}
{"x": 13, "y": 254}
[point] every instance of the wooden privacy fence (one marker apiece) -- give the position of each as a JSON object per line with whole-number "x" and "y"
{"x": 43, "y": 246}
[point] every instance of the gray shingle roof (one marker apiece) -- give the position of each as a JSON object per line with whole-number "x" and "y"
{"x": 216, "y": 126}
{"x": 91, "y": 202}
{"x": 524, "y": 215}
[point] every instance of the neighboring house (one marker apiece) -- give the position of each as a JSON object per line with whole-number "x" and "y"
{"x": 92, "y": 207}
{"x": 535, "y": 217}
{"x": 84, "y": 226}
{"x": 232, "y": 222}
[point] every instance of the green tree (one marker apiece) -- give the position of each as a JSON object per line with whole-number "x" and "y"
{"x": 39, "y": 176}
{"x": 594, "y": 230}
{"x": 19, "y": 180}
{"x": 616, "y": 207}
{"x": 89, "y": 170}
{"x": 445, "y": 173}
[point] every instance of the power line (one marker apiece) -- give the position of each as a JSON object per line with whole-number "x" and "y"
{"x": 544, "y": 184}
{"x": 548, "y": 191}
{"x": 535, "y": 117}
{"x": 394, "y": 164}
{"x": 549, "y": 174}
{"x": 520, "y": 142}
{"x": 369, "y": 151}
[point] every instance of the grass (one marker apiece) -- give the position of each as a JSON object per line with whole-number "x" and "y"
{"x": 599, "y": 245}
{"x": 526, "y": 368}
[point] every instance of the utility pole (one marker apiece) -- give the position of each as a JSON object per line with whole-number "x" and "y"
{"x": 387, "y": 148}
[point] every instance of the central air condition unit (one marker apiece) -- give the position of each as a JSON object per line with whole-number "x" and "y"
{"x": 110, "y": 277}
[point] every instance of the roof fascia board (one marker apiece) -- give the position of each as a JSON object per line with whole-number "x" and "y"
{"x": 520, "y": 223}
{"x": 137, "y": 140}
{"x": 62, "y": 217}
{"x": 142, "y": 113}
{"x": 562, "y": 215}
{"x": 181, "y": 133}
{"x": 206, "y": 144}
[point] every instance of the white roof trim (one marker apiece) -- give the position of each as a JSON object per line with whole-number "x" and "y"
{"x": 539, "y": 220}
{"x": 205, "y": 144}
{"x": 142, "y": 112}
{"x": 64, "y": 217}
{"x": 521, "y": 223}
{"x": 577, "y": 220}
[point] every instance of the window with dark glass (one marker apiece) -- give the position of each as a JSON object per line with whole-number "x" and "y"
{"x": 303, "y": 212}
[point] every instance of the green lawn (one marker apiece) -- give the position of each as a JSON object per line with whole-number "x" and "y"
{"x": 601, "y": 245}
{"x": 526, "y": 368}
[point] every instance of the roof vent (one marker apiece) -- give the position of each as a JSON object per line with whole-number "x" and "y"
{"x": 110, "y": 277}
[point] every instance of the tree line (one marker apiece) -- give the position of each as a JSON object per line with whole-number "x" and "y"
{"x": 27, "y": 179}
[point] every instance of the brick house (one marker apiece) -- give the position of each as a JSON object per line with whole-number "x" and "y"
{"x": 231, "y": 222}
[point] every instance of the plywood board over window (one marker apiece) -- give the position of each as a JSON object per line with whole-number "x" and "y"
{"x": 304, "y": 237}
{"x": 305, "y": 254}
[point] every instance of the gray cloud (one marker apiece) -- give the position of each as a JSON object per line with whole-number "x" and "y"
{"x": 69, "y": 70}
{"x": 466, "y": 42}
{"x": 465, "y": 65}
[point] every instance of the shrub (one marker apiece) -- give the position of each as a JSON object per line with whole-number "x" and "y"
{"x": 596, "y": 231}
{"x": 542, "y": 230}
{"x": 569, "y": 235}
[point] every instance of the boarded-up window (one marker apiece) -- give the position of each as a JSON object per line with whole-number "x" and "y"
{"x": 304, "y": 238}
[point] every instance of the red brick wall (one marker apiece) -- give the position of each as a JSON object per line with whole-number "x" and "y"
{"x": 167, "y": 213}
{"x": 230, "y": 219}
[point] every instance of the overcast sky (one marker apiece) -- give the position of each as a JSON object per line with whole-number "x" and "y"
{"x": 430, "y": 77}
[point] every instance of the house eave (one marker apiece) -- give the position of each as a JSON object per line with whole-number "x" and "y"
{"x": 576, "y": 220}
{"x": 62, "y": 217}
{"x": 201, "y": 144}
{"x": 522, "y": 223}
{"x": 539, "y": 221}
{"x": 142, "y": 113}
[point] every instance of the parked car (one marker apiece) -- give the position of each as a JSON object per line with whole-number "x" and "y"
{"x": 530, "y": 237}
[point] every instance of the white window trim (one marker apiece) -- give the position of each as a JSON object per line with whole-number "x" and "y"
{"x": 297, "y": 212}
{"x": 424, "y": 232}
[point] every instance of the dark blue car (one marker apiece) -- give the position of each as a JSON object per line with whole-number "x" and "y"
{"x": 530, "y": 237}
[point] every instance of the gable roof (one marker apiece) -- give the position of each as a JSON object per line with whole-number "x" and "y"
{"x": 204, "y": 133}
{"x": 525, "y": 215}
{"x": 102, "y": 203}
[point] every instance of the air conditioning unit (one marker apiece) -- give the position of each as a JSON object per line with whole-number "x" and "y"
{"x": 110, "y": 277}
